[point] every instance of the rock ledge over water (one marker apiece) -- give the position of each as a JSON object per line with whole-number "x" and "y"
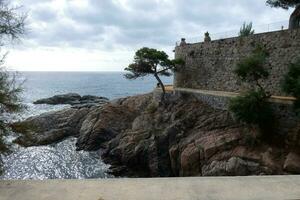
{"x": 141, "y": 137}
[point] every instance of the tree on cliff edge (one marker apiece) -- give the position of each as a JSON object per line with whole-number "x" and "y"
{"x": 286, "y": 4}
{"x": 149, "y": 61}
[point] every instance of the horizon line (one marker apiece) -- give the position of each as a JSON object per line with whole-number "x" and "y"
{"x": 62, "y": 71}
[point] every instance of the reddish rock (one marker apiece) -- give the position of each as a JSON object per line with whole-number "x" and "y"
{"x": 218, "y": 141}
{"x": 181, "y": 137}
{"x": 191, "y": 159}
{"x": 292, "y": 163}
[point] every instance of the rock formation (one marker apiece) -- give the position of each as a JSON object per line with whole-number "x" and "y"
{"x": 73, "y": 99}
{"x": 182, "y": 137}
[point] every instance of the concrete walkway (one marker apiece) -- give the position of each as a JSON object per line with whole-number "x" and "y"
{"x": 231, "y": 188}
{"x": 274, "y": 98}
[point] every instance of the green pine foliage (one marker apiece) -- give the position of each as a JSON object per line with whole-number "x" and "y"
{"x": 12, "y": 27}
{"x": 252, "y": 107}
{"x": 285, "y": 4}
{"x": 291, "y": 83}
{"x": 10, "y": 92}
{"x": 149, "y": 61}
{"x": 252, "y": 68}
{"x": 246, "y": 30}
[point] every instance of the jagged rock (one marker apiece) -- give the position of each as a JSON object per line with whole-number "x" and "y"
{"x": 60, "y": 99}
{"x": 218, "y": 140}
{"x": 232, "y": 167}
{"x": 292, "y": 163}
{"x": 181, "y": 137}
{"x": 191, "y": 160}
{"x": 103, "y": 124}
{"x": 52, "y": 127}
{"x": 73, "y": 99}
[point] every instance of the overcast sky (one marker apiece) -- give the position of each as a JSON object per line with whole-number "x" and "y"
{"x": 102, "y": 35}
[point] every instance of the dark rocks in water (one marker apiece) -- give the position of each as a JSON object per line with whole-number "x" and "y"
{"x": 181, "y": 137}
{"x": 52, "y": 127}
{"x": 73, "y": 99}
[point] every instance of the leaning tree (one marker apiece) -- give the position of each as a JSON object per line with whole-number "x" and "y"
{"x": 148, "y": 61}
{"x": 286, "y": 4}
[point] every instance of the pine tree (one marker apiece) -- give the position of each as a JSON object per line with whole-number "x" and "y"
{"x": 286, "y": 4}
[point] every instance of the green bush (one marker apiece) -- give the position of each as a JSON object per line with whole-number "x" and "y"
{"x": 291, "y": 83}
{"x": 246, "y": 30}
{"x": 252, "y": 108}
{"x": 251, "y": 69}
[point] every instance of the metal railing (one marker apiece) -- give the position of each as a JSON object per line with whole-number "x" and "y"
{"x": 277, "y": 26}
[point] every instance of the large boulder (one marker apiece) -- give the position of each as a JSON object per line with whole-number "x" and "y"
{"x": 54, "y": 126}
{"x": 104, "y": 123}
{"x": 51, "y": 127}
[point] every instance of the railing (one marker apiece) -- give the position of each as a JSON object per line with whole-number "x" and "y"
{"x": 277, "y": 26}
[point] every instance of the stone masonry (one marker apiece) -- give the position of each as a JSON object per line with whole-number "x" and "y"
{"x": 209, "y": 65}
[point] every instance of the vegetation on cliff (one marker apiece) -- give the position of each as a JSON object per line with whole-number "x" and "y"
{"x": 148, "y": 61}
{"x": 246, "y": 30}
{"x": 251, "y": 107}
{"x": 291, "y": 84}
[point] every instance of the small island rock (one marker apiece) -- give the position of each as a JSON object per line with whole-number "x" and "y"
{"x": 73, "y": 99}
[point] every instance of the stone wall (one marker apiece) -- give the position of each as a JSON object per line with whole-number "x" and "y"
{"x": 209, "y": 65}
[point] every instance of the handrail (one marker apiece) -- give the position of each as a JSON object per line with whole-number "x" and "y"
{"x": 264, "y": 28}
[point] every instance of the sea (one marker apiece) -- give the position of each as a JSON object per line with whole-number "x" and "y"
{"x": 61, "y": 160}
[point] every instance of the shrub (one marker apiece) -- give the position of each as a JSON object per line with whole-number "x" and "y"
{"x": 291, "y": 83}
{"x": 251, "y": 69}
{"x": 246, "y": 30}
{"x": 252, "y": 108}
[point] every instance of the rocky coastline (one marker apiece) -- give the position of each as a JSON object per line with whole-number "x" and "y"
{"x": 141, "y": 137}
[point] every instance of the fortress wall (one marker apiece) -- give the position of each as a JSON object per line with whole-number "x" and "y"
{"x": 209, "y": 65}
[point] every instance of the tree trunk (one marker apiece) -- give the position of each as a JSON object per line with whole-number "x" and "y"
{"x": 162, "y": 86}
{"x": 295, "y": 18}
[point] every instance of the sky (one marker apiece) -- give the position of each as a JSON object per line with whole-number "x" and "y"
{"x": 102, "y": 35}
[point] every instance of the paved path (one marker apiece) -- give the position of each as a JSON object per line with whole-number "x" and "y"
{"x": 275, "y": 99}
{"x": 231, "y": 188}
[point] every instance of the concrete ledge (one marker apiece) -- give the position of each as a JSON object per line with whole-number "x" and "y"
{"x": 273, "y": 99}
{"x": 219, "y": 188}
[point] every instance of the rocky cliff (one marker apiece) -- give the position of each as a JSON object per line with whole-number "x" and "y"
{"x": 181, "y": 137}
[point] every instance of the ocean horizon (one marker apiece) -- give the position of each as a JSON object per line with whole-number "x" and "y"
{"x": 41, "y": 84}
{"x": 112, "y": 85}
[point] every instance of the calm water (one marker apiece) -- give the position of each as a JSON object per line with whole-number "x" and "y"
{"x": 108, "y": 84}
{"x": 61, "y": 160}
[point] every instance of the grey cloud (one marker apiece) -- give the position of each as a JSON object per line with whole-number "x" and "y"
{"x": 107, "y": 24}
